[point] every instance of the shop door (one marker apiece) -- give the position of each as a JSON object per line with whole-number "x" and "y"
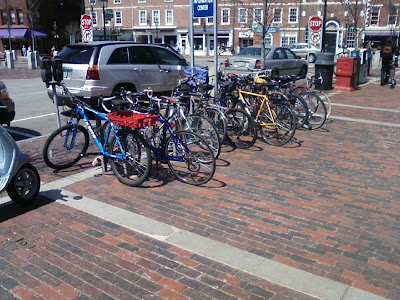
{"x": 330, "y": 41}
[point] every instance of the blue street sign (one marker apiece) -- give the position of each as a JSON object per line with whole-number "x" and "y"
{"x": 203, "y": 8}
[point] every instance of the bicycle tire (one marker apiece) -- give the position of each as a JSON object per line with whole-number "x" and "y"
{"x": 279, "y": 129}
{"x": 56, "y": 154}
{"x": 203, "y": 126}
{"x": 316, "y": 108}
{"x": 218, "y": 118}
{"x": 392, "y": 78}
{"x": 190, "y": 158}
{"x": 135, "y": 169}
{"x": 299, "y": 108}
{"x": 241, "y": 128}
{"x": 326, "y": 101}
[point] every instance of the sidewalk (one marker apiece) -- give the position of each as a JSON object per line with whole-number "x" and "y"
{"x": 317, "y": 219}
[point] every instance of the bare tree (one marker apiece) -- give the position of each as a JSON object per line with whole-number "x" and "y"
{"x": 72, "y": 28}
{"x": 357, "y": 15}
{"x": 32, "y": 9}
{"x": 6, "y": 5}
{"x": 260, "y": 17}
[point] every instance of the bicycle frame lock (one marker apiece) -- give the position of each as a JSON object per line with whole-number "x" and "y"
{"x": 52, "y": 74}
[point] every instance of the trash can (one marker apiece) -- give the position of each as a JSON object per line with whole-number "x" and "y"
{"x": 324, "y": 65}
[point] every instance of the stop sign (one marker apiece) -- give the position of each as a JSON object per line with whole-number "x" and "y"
{"x": 315, "y": 23}
{"x": 86, "y": 22}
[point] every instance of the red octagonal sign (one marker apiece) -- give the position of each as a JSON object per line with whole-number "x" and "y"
{"x": 315, "y": 23}
{"x": 86, "y": 22}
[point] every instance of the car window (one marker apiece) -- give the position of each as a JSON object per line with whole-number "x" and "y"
{"x": 166, "y": 57}
{"x": 76, "y": 55}
{"x": 289, "y": 54}
{"x": 279, "y": 54}
{"x": 250, "y": 52}
{"x": 119, "y": 56}
{"x": 141, "y": 55}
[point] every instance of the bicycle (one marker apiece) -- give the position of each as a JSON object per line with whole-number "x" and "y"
{"x": 187, "y": 154}
{"x": 275, "y": 120}
{"x": 118, "y": 140}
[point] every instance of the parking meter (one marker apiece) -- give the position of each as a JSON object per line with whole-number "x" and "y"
{"x": 45, "y": 66}
{"x": 57, "y": 69}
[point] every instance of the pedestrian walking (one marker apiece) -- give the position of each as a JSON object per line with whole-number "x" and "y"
{"x": 387, "y": 61}
{"x": 23, "y": 50}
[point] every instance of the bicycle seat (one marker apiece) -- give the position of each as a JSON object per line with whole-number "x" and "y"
{"x": 204, "y": 87}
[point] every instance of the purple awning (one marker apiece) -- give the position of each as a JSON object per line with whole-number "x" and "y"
{"x": 20, "y": 33}
{"x": 14, "y": 33}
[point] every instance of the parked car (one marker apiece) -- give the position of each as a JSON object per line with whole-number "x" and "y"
{"x": 104, "y": 68}
{"x": 7, "y": 107}
{"x": 305, "y": 51}
{"x": 280, "y": 60}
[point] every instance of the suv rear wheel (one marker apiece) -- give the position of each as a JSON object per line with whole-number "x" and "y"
{"x": 126, "y": 86}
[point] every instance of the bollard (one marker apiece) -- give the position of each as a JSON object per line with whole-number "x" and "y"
{"x": 36, "y": 58}
{"x": 10, "y": 60}
{"x": 14, "y": 53}
{"x": 31, "y": 60}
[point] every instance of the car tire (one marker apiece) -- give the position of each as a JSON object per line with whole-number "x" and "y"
{"x": 311, "y": 58}
{"x": 127, "y": 87}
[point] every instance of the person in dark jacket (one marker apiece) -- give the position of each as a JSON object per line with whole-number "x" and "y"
{"x": 387, "y": 61}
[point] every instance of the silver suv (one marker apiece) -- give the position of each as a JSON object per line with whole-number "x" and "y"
{"x": 103, "y": 68}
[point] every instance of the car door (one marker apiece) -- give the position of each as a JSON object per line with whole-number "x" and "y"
{"x": 143, "y": 66}
{"x": 281, "y": 62}
{"x": 293, "y": 62}
{"x": 170, "y": 68}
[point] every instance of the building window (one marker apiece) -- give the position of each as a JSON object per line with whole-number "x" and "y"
{"x": 4, "y": 17}
{"x": 258, "y": 16}
{"x": 210, "y": 21}
{"x": 20, "y": 16}
{"x": 242, "y": 16}
{"x": 155, "y": 20}
{"x": 13, "y": 18}
{"x": 196, "y": 21}
{"x": 351, "y": 38}
{"x": 94, "y": 18}
{"x": 141, "y": 1}
{"x": 225, "y": 16}
{"x": 168, "y": 0}
{"x": 169, "y": 17}
{"x": 277, "y": 15}
{"x": 118, "y": 18}
{"x": 287, "y": 40}
{"x": 293, "y": 14}
{"x": 142, "y": 17}
{"x": 268, "y": 39}
{"x": 117, "y": 1}
{"x": 92, "y": 2}
{"x": 392, "y": 18}
{"x": 375, "y": 15}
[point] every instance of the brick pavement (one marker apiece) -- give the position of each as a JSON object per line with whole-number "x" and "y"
{"x": 326, "y": 204}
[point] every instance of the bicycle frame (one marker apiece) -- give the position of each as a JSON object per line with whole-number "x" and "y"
{"x": 80, "y": 110}
{"x": 264, "y": 101}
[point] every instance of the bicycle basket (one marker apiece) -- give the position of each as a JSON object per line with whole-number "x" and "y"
{"x": 132, "y": 119}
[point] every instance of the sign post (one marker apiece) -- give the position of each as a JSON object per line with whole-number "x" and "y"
{"x": 87, "y": 28}
{"x": 315, "y": 24}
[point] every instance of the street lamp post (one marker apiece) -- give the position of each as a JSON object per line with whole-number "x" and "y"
{"x": 105, "y": 2}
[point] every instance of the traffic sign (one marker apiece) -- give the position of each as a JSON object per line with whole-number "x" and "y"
{"x": 315, "y": 23}
{"x": 203, "y": 8}
{"x": 87, "y": 35}
{"x": 315, "y": 37}
{"x": 86, "y": 22}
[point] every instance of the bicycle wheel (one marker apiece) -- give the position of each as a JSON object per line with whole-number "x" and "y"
{"x": 299, "y": 108}
{"x": 218, "y": 118}
{"x": 136, "y": 167}
{"x": 205, "y": 128}
{"x": 241, "y": 128}
{"x": 316, "y": 109}
{"x": 326, "y": 101}
{"x": 190, "y": 157}
{"x": 279, "y": 128}
{"x": 65, "y": 146}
